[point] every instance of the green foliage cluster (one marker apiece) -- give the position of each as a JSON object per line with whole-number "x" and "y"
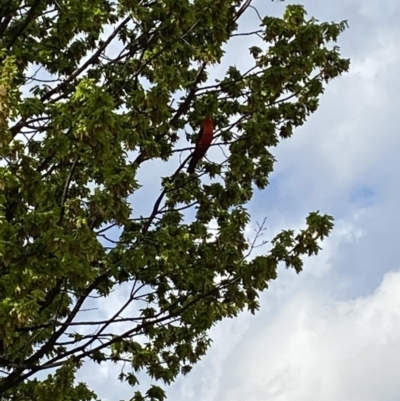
{"x": 65, "y": 179}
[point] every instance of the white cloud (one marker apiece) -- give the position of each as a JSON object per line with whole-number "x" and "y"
{"x": 314, "y": 348}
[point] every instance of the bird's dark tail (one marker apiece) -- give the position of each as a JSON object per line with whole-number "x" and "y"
{"x": 192, "y": 165}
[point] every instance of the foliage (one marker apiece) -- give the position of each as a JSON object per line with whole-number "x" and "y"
{"x": 72, "y": 147}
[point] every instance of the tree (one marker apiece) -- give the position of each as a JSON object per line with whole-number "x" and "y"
{"x": 67, "y": 172}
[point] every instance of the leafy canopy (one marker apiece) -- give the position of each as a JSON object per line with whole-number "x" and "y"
{"x": 86, "y": 103}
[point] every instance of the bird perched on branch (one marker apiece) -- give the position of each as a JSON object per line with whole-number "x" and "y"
{"x": 203, "y": 143}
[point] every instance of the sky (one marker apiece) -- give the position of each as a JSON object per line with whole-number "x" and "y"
{"x": 333, "y": 331}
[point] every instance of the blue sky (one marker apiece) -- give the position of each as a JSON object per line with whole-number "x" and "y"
{"x": 331, "y": 332}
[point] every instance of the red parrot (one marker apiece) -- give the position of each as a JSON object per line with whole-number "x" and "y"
{"x": 203, "y": 143}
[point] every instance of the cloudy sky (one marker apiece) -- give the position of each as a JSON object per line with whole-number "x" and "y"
{"x": 332, "y": 332}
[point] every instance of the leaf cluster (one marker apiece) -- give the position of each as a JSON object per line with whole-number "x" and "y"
{"x": 90, "y": 93}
